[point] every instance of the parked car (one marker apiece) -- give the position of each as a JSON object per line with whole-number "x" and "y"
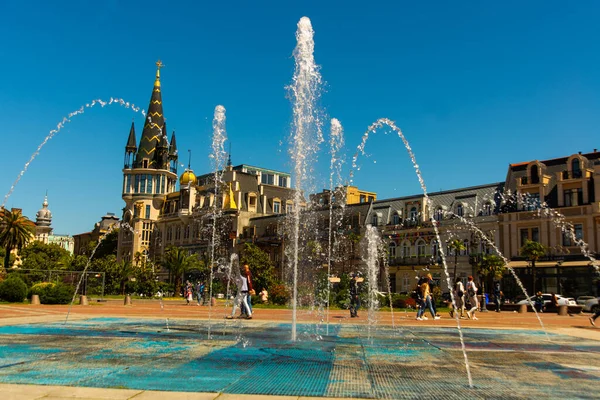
{"x": 562, "y": 301}
{"x": 591, "y": 305}
{"x": 581, "y": 300}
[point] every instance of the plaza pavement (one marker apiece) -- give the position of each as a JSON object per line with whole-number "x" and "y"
{"x": 576, "y": 326}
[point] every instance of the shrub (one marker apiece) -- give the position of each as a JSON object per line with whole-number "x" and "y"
{"x": 279, "y": 295}
{"x": 13, "y": 289}
{"x": 53, "y": 293}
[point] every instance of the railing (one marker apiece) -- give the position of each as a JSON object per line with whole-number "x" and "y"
{"x": 572, "y": 174}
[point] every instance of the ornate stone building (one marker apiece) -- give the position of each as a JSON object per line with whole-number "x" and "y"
{"x": 149, "y": 177}
{"x": 554, "y": 202}
{"x": 44, "y": 230}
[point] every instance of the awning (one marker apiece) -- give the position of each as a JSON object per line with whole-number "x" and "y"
{"x": 545, "y": 264}
{"x": 582, "y": 263}
{"x": 518, "y": 264}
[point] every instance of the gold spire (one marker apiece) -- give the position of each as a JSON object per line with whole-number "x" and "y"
{"x": 159, "y": 65}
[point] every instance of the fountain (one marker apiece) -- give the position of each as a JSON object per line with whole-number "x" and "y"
{"x": 272, "y": 365}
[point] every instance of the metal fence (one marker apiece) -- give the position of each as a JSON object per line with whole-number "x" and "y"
{"x": 93, "y": 282}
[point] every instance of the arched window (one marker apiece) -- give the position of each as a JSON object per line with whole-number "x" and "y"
{"x": 392, "y": 251}
{"x": 460, "y": 210}
{"x": 575, "y": 167}
{"x": 413, "y": 213}
{"x": 406, "y": 249}
{"x": 439, "y": 214}
{"x": 421, "y": 248}
{"x": 434, "y": 248}
{"x": 535, "y": 174}
{"x": 374, "y": 219}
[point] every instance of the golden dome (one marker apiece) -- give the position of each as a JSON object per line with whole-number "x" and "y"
{"x": 187, "y": 178}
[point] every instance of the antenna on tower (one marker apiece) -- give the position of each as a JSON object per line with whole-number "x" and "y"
{"x": 189, "y": 159}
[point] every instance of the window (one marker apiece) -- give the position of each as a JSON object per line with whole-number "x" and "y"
{"x": 283, "y": 181}
{"x": 487, "y": 208}
{"x": 363, "y": 198}
{"x": 535, "y": 175}
{"x": 148, "y": 211}
{"x": 459, "y": 210}
{"x": 465, "y": 252}
{"x": 575, "y": 167}
{"x": 252, "y": 202}
{"x": 276, "y": 207}
{"x": 524, "y": 236}
{"x": 573, "y": 197}
{"x": 136, "y": 187}
{"x": 532, "y": 234}
{"x": 532, "y": 201}
{"x": 413, "y": 214}
{"x": 395, "y": 219}
{"x": 145, "y": 163}
{"x": 434, "y": 248}
{"x": 568, "y": 235}
{"x": 375, "y": 219}
{"x": 405, "y": 249}
{"x": 149, "y": 189}
{"x": 161, "y": 188}
{"x": 439, "y": 214}
{"x": 392, "y": 251}
{"x": 289, "y": 207}
{"x": 371, "y": 199}
{"x": 143, "y": 184}
{"x": 267, "y": 179}
{"x": 127, "y": 183}
{"x": 186, "y": 232}
{"x": 421, "y": 248}
{"x": 535, "y": 234}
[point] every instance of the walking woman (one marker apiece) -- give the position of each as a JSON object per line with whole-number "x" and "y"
{"x": 459, "y": 298}
{"x": 472, "y": 298}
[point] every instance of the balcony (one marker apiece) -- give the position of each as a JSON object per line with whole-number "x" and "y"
{"x": 577, "y": 174}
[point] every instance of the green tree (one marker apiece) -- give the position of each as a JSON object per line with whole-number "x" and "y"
{"x": 490, "y": 267}
{"x": 177, "y": 262}
{"x": 533, "y": 251}
{"x": 125, "y": 271}
{"x": 108, "y": 245}
{"x": 42, "y": 256}
{"x": 16, "y": 231}
{"x": 263, "y": 271}
{"x": 456, "y": 246}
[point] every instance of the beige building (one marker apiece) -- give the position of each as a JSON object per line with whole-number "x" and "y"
{"x": 554, "y": 202}
{"x": 101, "y": 228}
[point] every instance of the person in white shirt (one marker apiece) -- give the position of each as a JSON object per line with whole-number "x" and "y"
{"x": 472, "y": 298}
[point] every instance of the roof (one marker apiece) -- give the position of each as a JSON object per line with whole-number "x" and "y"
{"x": 152, "y": 131}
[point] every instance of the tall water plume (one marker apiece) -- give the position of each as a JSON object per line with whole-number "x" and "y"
{"x": 61, "y": 125}
{"x": 361, "y": 150}
{"x": 337, "y": 197}
{"x": 306, "y": 135}
{"x": 218, "y": 157}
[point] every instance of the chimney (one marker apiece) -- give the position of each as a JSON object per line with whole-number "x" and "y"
{"x": 579, "y": 153}
{"x": 595, "y": 150}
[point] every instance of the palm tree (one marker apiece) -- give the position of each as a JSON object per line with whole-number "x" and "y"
{"x": 177, "y": 261}
{"x": 16, "y": 231}
{"x": 456, "y": 246}
{"x": 126, "y": 269}
{"x": 491, "y": 265}
{"x": 533, "y": 251}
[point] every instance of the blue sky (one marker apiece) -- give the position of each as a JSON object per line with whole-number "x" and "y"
{"x": 474, "y": 86}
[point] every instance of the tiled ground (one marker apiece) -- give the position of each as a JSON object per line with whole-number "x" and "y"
{"x": 258, "y": 358}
